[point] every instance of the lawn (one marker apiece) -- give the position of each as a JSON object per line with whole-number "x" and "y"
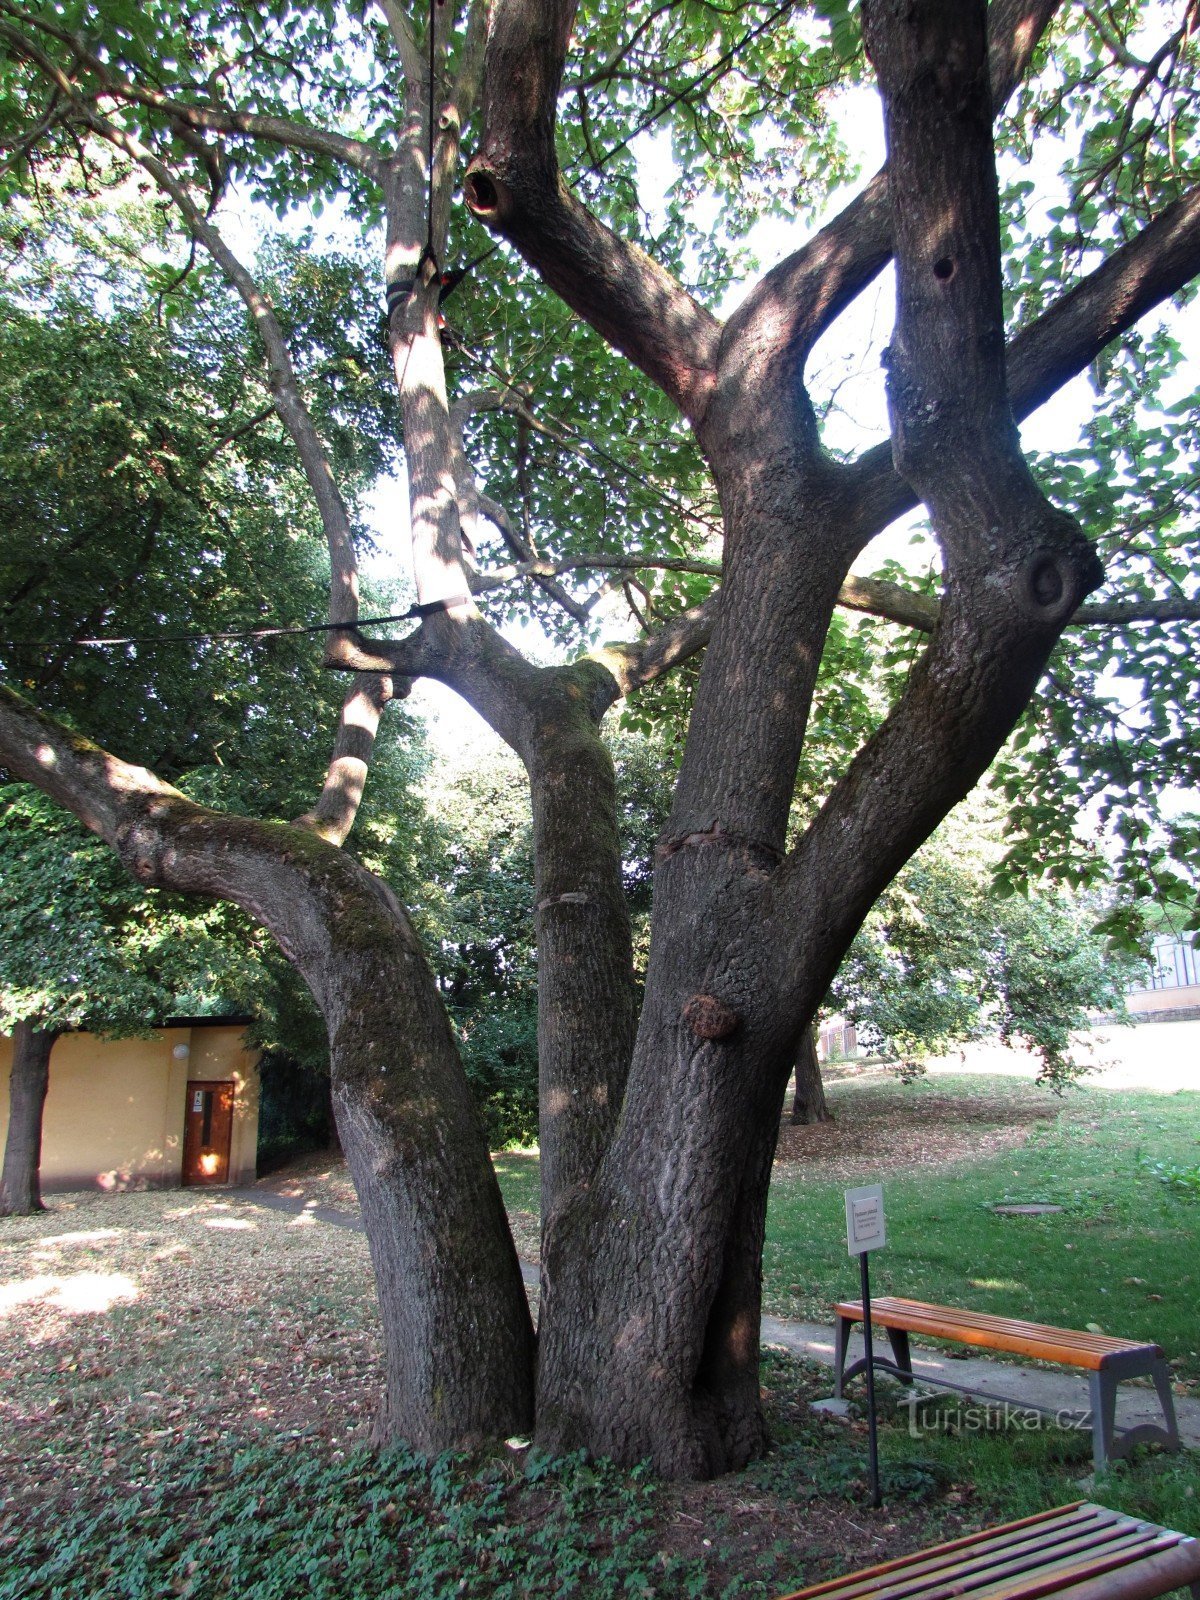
{"x": 1122, "y": 1254}
{"x": 187, "y": 1381}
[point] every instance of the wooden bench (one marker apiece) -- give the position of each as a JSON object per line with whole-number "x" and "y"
{"x": 1107, "y": 1362}
{"x": 1083, "y": 1551}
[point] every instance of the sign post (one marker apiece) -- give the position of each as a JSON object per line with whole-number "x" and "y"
{"x": 865, "y": 1231}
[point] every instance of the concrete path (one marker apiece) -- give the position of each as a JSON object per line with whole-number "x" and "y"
{"x": 1048, "y": 1391}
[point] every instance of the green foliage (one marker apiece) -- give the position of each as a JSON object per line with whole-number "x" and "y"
{"x": 83, "y": 944}
{"x": 1111, "y": 733}
{"x": 1184, "y": 1181}
{"x": 476, "y": 911}
{"x": 128, "y": 443}
{"x": 266, "y": 1520}
{"x": 944, "y": 958}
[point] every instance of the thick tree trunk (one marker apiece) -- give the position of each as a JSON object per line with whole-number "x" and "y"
{"x": 587, "y": 1015}
{"x": 458, "y": 1339}
{"x": 648, "y": 1343}
{"x": 20, "y": 1181}
{"x": 457, "y": 1335}
{"x": 652, "y": 1285}
{"x": 809, "y": 1104}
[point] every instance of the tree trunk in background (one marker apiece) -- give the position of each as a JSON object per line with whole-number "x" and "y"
{"x": 809, "y": 1104}
{"x": 20, "y": 1182}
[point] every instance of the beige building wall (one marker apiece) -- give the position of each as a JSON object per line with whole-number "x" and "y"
{"x": 1185, "y": 997}
{"x": 115, "y": 1108}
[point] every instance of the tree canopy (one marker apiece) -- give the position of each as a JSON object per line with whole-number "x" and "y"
{"x": 594, "y": 438}
{"x": 943, "y": 959}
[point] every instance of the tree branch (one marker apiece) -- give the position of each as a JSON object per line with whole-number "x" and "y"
{"x": 473, "y": 504}
{"x": 412, "y": 63}
{"x": 334, "y": 814}
{"x": 805, "y": 293}
{"x": 293, "y": 412}
{"x": 1016, "y": 568}
{"x": 514, "y": 186}
{"x": 277, "y": 130}
{"x": 1138, "y": 276}
{"x": 1123, "y": 613}
{"x": 469, "y": 80}
{"x": 633, "y": 666}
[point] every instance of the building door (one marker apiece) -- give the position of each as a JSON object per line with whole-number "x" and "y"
{"x": 208, "y": 1131}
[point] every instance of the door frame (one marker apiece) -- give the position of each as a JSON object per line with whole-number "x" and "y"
{"x": 195, "y": 1151}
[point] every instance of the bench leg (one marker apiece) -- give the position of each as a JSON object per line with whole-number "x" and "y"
{"x": 898, "y": 1338}
{"x": 840, "y": 1350}
{"x": 1104, "y": 1411}
{"x": 1161, "y": 1374}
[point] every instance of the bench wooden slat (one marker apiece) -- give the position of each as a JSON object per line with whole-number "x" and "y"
{"x": 894, "y": 1305}
{"x": 1081, "y": 1528}
{"x": 1020, "y": 1573}
{"x": 1090, "y": 1351}
{"x": 1083, "y": 1550}
{"x": 1076, "y": 1512}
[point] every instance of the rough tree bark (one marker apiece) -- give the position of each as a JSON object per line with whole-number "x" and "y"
{"x": 657, "y": 1133}
{"x": 20, "y": 1180}
{"x": 457, "y": 1333}
{"x": 808, "y": 1103}
{"x": 648, "y": 1335}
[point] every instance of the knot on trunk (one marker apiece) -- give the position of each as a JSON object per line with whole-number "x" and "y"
{"x": 1051, "y": 584}
{"x": 710, "y": 1018}
{"x": 140, "y": 848}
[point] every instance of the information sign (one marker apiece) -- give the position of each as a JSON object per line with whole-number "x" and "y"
{"x": 864, "y": 1219}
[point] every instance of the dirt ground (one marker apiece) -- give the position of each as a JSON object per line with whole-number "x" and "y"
{"x": 895, "y": 1129}
{"x": 901, "y": 1131}
{"x": 139, "y": 1328}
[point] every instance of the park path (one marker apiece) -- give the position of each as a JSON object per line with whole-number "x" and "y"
{"x": 1047, "y": 1391}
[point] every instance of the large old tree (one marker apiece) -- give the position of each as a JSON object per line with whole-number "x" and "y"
{"x": 658, "y": 1122}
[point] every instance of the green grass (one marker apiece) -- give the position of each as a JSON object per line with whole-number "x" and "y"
{"x": 1124, "y": 1253}
{"x": 520, "y": 1174}
{"x": 1020, "y": 1469}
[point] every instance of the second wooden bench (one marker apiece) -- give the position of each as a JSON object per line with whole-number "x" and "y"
{"x": 1075, "y": 1552}
{"x": 1107, "y": 1361}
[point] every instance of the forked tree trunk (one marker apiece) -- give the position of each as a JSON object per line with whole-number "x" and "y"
{"x": 809, "y": 1104}
{"x": 655, "y": 1200}
{"x": 20, "y": 1181}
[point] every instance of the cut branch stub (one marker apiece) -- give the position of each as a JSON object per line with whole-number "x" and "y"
{"x": 710, "y": 1018}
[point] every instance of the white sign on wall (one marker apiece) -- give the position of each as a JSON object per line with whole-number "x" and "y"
{"x": 864, "y": 1219}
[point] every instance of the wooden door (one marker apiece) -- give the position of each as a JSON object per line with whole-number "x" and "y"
{"x": 208, "y": 1131}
